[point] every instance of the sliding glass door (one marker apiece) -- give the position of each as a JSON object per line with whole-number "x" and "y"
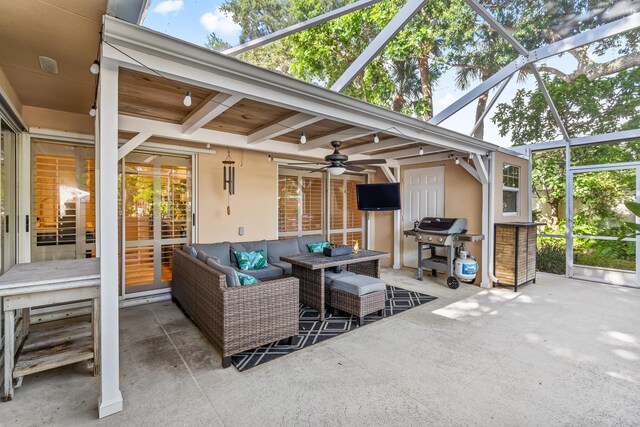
{"x": 63, "y": 209}
{"x": 8, "y": 200}
{"x": 155, "y": 203}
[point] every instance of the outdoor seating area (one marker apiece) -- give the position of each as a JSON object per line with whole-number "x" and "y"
{"x": 573, "y": 367}
{"x": 281, "y": 212}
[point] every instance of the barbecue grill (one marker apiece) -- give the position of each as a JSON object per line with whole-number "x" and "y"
{"x": 447, "y": 233}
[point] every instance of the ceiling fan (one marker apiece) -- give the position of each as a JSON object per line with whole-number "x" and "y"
{"x": 339, "y": 163}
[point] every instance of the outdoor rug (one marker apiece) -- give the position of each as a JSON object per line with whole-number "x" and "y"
{"x": 313, "y": 331}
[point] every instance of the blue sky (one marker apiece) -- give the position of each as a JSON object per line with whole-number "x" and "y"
{"x": 193, "y": 20}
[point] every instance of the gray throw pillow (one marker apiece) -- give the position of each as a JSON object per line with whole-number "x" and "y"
{"x": 219, "y": 250}
{"x": 189, "y": 249}
{"x": 229, "y": 272}
{"x": 202, "y": 256}
{"x": 279, "y": 248}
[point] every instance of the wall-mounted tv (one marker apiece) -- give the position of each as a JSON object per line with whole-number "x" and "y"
{"x": 378, "y": 197}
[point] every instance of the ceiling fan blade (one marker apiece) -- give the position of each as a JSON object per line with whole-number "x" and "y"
{"x": 366, "y": 162}
{"x": 320, "y": 169}
{"x": 353, "y": 168}
{"x": 302, "y": 164}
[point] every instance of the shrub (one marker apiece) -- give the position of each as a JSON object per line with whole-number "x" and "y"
{"x": 551, "y": 258}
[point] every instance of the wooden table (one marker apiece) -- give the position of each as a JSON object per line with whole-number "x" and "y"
{"x": 46, "y": 283}
{"x": 309, "y": 269}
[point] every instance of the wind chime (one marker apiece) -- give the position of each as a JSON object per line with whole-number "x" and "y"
{"x": 229, "y": 175}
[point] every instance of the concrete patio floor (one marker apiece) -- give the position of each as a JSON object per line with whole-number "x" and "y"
{"x": 558, "y": 352}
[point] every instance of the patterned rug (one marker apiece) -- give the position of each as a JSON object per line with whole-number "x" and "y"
{"x": 313, "y": 331}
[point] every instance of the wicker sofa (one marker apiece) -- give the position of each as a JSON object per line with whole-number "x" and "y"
{"x": 237, "y": 319}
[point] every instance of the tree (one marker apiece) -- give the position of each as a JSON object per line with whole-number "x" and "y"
{"x": 216, "y": 43}
{"x": 407, "y": 82}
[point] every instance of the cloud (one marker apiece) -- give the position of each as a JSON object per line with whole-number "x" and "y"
{"x": 219, "y": 23}
{"x": 168, "y": 6}
{"x": 446, "y": 100}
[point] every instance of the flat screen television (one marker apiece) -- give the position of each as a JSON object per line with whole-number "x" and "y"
{"x": 378, "y": 197}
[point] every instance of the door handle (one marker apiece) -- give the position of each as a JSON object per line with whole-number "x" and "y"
{"x": 6, "y": 224}
{"x": 27, "y": 223}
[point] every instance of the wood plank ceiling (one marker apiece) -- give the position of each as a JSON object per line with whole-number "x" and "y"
{"x": 153, "y": 97}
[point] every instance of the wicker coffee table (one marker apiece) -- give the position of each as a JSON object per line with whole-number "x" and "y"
{"x": 309, "y": 269}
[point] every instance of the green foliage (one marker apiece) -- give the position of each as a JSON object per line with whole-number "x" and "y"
{"x": 216, "y": 43}
{"x": 551, "y": 258}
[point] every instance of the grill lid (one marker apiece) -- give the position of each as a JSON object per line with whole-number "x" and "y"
{"x": 442, "y": 225}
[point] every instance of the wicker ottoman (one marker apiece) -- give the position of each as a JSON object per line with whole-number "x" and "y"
{"x": 359, "y": 295}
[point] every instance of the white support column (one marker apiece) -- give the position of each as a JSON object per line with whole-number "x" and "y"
{"x": 569, "y": 215}
{"x": 390, "y": 30}
{"x": 107, "y": 169}
{"x": 487, "y": 265}
{"x": 481, "y": 168}
{"x": 23, "y": 177}
{"x": 397, "y": 229}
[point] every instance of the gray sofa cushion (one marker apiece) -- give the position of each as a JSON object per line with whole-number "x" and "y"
{"x": 189, "y": 249}
{"x": 330, "y": 276}
{"x": 305, "y": 240}
{"x": 278, "y": 248}
{"x": 358, "y": 285}
{"x": 232, "y": 277}
{"x": 202, "y": 256}
{"x": 247, "y": 247}
{"x": 285, "y": 266}
{"x": 271, "y": 272}
{"x": 219, "y": 250}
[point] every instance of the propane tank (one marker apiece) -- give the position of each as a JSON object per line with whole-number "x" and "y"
{"x": 466, "y": 267}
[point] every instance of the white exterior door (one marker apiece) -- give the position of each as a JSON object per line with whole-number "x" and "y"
{"x": 423, "y": 195}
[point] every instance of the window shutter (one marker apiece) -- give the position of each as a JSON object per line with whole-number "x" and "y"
{"x": 287, "y": 203}
{"x": 54, "y": 201}
{"x": 311, "y": 204}
{"x": 354, "y": 216}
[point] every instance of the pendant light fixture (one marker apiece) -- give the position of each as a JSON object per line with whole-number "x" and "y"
{"x": 95, "y": 67}
{"x": 187, "y": 99}
{"x": 421, "y": 151}
{"x": 303, "y": 138}
{"x": 375, "y": 138}
{"x": 93, "y": 111}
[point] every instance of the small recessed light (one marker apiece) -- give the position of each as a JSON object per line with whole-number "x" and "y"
{"x": 48, "y": 65}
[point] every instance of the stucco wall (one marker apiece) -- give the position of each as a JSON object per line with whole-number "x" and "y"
{"x": 381, "y": 225}
{"x": 462, "y": 199}
{"x": 254, "y": 205}
{"x": 523, "y": 214}
{"x": 58, "y": 120}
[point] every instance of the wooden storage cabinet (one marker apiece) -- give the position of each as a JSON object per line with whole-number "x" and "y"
{"x": 514, "y": 251}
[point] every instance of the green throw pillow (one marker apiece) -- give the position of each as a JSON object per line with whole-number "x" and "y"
{"x": 318, "y": 247}
{"x": 245, "y": 279}
{"x": 253, "y": 260}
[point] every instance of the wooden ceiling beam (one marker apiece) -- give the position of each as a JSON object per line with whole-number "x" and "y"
{"x": 409, "y": 152}
{"x": 296, "y": 121}
{"x": 382, "y": 145}
{"x": 209, "y": 109}
{"x": 345, "y": 135}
